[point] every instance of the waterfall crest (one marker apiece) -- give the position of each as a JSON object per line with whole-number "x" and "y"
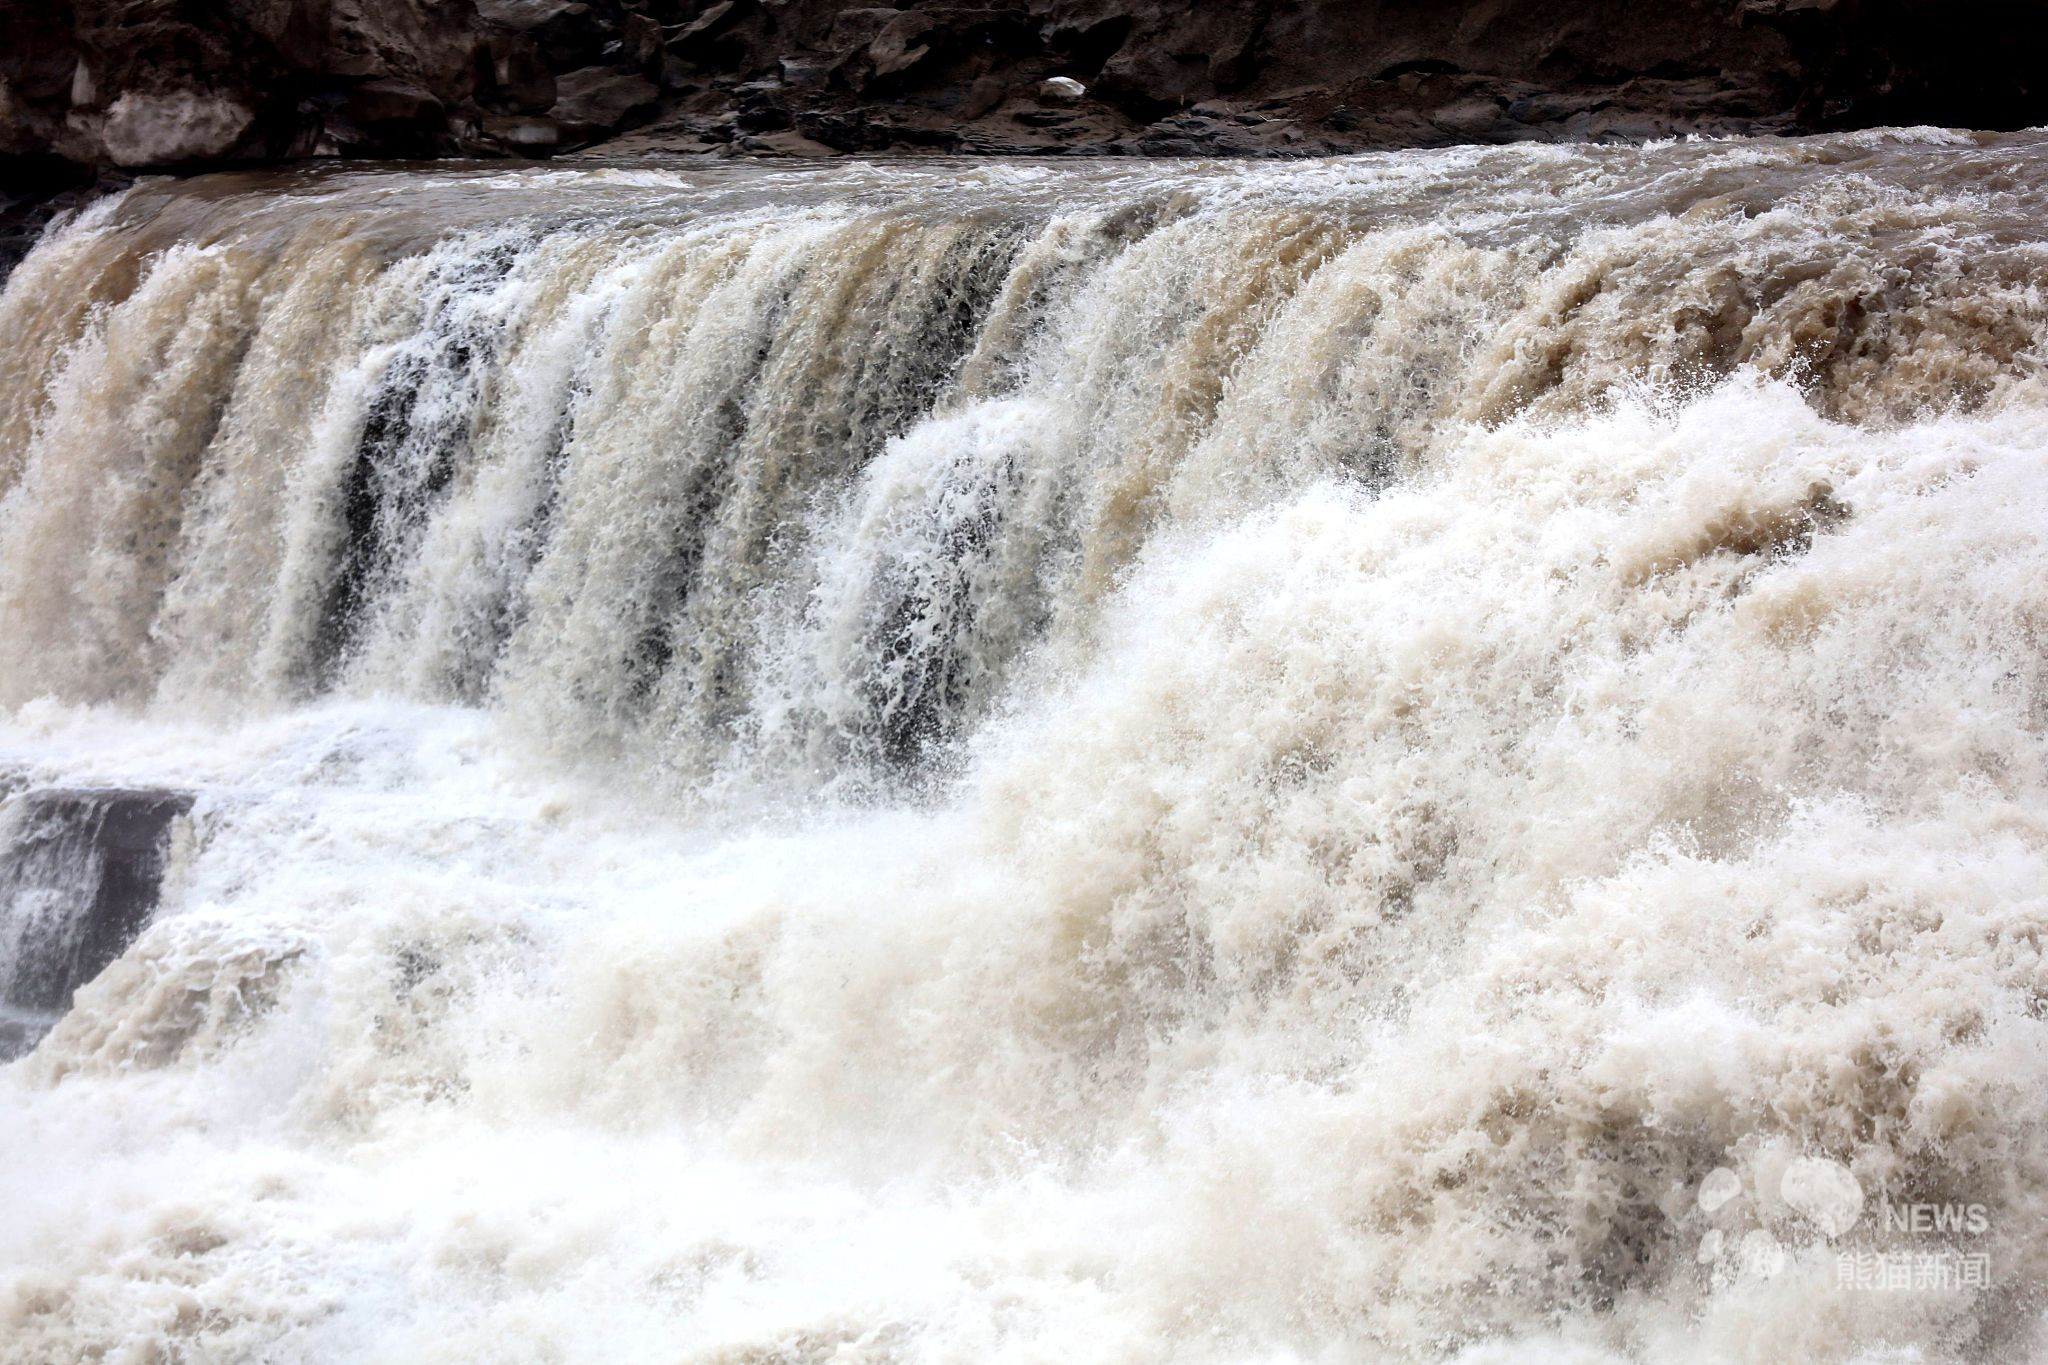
{"x": 796, "y": 468}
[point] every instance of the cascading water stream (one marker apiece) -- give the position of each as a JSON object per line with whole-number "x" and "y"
{"x": 1003, "y": 761}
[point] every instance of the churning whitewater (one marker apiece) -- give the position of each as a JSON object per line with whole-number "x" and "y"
{"x": 1427, "y": 756}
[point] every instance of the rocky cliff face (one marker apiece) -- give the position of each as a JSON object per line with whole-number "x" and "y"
{"x": 185, "y": 83}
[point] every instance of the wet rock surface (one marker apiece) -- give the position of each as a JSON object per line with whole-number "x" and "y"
{"x": 144, "y": 84}
{"x": 80, "y": 874}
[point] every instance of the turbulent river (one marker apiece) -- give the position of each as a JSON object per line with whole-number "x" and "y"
{"x": 1427, "y": 756}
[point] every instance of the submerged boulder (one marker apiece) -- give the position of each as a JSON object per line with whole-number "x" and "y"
{"x": 81, "y": 870}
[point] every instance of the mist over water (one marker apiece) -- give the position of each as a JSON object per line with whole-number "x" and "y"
{"x": 997, "y": 761}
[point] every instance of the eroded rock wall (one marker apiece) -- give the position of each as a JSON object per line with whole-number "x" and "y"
{"x": 175, "y": 83}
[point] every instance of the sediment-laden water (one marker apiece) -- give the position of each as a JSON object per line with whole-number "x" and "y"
{"x": 1436, "y": 755}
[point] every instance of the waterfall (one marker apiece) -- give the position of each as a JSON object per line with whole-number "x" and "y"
{"x": 1007, "y": 760}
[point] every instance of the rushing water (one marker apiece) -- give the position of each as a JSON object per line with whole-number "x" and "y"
{"x": 1419, "y": 756}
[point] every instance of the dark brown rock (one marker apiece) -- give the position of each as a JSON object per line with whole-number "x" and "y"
{"x": 99, "y": 83}
{"x": 597, "y": 100}
{"x": 80, "y": 872}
